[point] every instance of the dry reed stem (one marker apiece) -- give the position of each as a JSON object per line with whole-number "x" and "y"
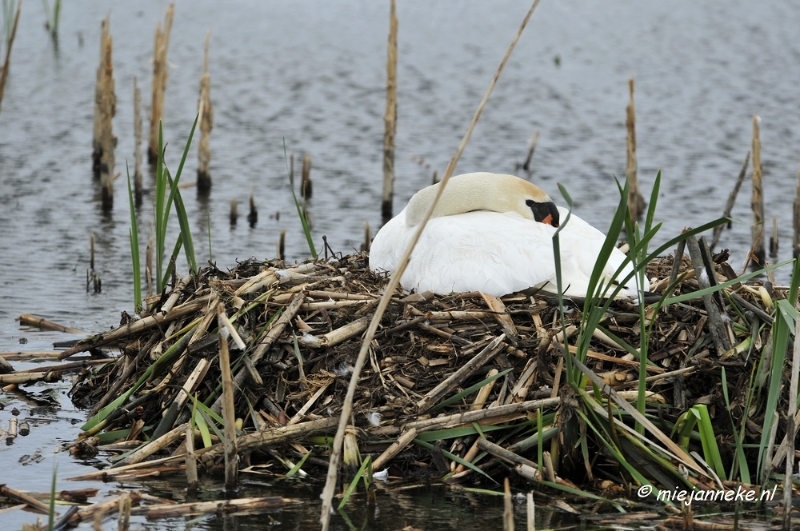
{"x": 30, "y": 377}
{"x": 273, "y": 436}
{"x": 191, "y": 461}
{"x": 271, "y": 336}
{"x": 306, "y": 187}
{"x": 44, "y": 324}
{"x": 30, "y": 355}
{"x": 390, "y": 119}
{"x": 705, "y": 276}
{"x": 138, "y": 189}
{"x": 531, "y": 147}
{"x": 635, "y": 200}
{"x": 7, "y": 64}
{"x": 731, "y": 201}
{"x": 27, "y": 499}
{"x": 105, "y": 109}
{"x": 206, "y": 111}
{"x": 531, "y": 512}
{"x": 479, "y": 360}
{"x": 508, "y": 507}
{"x": 124, "y": 511}
{"x": 757, "y": 201}
{"x": 228, "y": 407}
{"x": 347, "y": 406}
{"x": 245, "y": 505}
{"x": 395, "y": 448}
{"x": 160, "y": 75}
{"x": 134, "y": 327}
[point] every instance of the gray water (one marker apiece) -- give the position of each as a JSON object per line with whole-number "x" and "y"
{"x": 312, "y": 74}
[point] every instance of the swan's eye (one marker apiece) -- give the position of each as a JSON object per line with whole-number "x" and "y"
{"x": 529, "y": 202}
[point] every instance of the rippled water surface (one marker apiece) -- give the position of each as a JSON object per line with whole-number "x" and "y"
{"x": 312, "y": 74}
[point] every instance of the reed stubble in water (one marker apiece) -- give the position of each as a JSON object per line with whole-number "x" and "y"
{"x": 206, "y": 110}
{"x": 160, "y": 75}
{"x": 635, "y": 199}
{"x": 137, "y": 144}
{"x": 104, "y": 111}
{"x": 757, "y": 201}
{"x": 390, "y": 119}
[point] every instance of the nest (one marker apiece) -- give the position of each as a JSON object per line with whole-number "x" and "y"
{"x": 456, "y": 387}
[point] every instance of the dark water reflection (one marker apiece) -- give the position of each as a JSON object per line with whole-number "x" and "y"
{"x": 313, "y": 74}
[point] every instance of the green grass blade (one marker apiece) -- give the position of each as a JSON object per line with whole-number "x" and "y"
{"x": 354, "y": 483}
{"x": 296, "y": 468}
{"x": 51, "y": 510}
{"x": 134, "y": 235}
{"x": 162, "y": 215}
{"x": 186, "y": 231}
{"x": 303, "y": 220}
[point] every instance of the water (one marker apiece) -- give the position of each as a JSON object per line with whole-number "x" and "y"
{"x": 312, "y": 74}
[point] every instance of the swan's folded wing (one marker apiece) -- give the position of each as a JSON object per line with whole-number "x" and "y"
{"x": 481, "y": 251}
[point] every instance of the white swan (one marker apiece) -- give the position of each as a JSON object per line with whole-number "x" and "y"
{"x": 492, "y": 233}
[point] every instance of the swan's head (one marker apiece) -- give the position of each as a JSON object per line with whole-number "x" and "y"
{"x": 485, "y": 191}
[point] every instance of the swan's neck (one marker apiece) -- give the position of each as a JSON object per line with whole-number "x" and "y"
{"x": 459, "y": 196}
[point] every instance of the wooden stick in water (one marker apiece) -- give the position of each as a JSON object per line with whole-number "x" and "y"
{"x": 508, "y": 507}
{"x": 390, "y": 119}
{"x": 773, "y": 241}
{"x": 757, "y": 202}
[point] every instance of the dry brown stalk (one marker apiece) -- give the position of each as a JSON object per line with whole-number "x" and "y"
{"x": 206, "y": 111}
{"x": 105, "y": 109}
{"x": 273, "y": 436}
{"x": 390, "y": 119}
{"x": 153, "y": 446}
{"x": 7, "y": 64}
{"x": 731, "y": 201}
{"x": 31, "y": 355}
{"x": 228, "y": 411}
{"x": 30, "y": 377}
{"x": 336, "y": 336}
{"x": 501, "y": 453}
{"x": 490, "y": 351}
{"x": 508, "y": 507}
{"x": 492, "y": 414}
{"x": 138, "y": 189}
{"x": 306, "y": 186}
{"x": 273, "y": 334}
{"x": 497, "y": 306}
{"x": 101, "y": 508}
{"x": 395, "y": 448}
{"x": 635, "y": 199}
{"x": 531, "y": 148}
{"x": 705, "y": 275}
{"x": 44, "y": 324}
{"x": 757, "y": 201}
{"x": 160, "y": 75}
{"x": 249, "y": 505}
{"x": 135, "y": 327}
{"x": 191, "y": 461}
{"x": 27, "y": 499}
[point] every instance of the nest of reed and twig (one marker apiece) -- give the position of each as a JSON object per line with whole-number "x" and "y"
{"x": 302, "y": 328}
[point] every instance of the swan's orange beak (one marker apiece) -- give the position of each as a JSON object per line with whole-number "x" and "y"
{"x": 549, "y": 220}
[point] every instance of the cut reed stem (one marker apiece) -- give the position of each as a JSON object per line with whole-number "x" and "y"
{"x": 206, "y": 110}
{"x": 757, "y": 202}
{"x": 390, "y": 119}
{"x": 160, "y": 75}
{"x": 636, "y": 202}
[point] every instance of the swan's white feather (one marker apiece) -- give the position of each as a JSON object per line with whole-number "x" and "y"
{"x": 492, "y": 252}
